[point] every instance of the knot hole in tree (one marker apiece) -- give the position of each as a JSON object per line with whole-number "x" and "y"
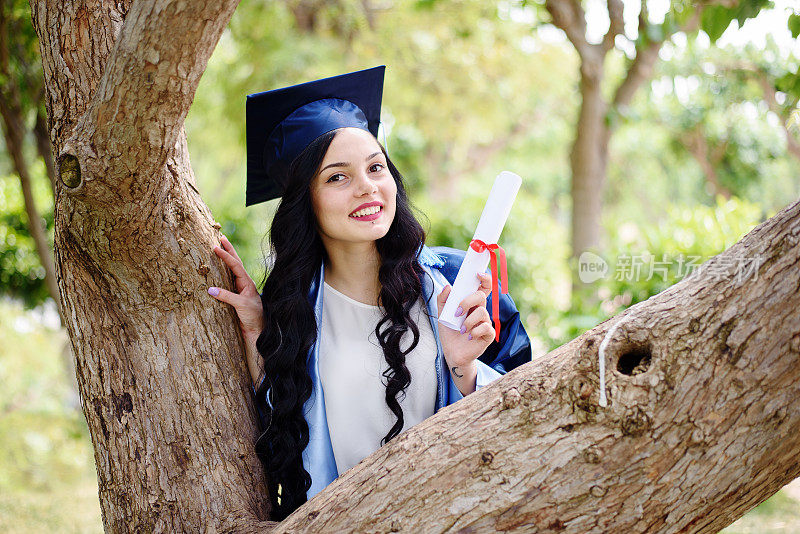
{"x": 69, "y": 170}
{"x": 635, "y": 359}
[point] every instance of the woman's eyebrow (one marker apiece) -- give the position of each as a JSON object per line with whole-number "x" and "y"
{"x": 346, "y": 164}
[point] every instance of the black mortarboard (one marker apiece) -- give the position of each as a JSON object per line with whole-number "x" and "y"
{"x": 281, "y": 123}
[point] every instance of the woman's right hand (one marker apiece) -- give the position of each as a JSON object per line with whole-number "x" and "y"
{"x": 246, "y": 299}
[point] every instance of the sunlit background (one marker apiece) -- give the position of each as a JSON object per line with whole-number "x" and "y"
{"x": 707, "y": 147}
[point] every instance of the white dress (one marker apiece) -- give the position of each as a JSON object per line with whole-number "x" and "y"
{"x": 351, "y": 363}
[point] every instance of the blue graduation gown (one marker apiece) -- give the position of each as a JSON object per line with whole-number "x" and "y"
{"x": 441, "y": 264}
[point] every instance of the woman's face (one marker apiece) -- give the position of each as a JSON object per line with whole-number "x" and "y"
{"x": 353, "y": 173}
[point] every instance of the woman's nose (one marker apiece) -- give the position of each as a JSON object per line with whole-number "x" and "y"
{"x": 365, "y": 185}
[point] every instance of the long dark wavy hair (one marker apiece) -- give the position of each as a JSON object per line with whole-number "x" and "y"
{"x": 290, "y": 325}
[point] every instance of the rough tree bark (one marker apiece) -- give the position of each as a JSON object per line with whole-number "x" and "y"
{"x": 162, "y": 376}
{"x": 705, "y": 432}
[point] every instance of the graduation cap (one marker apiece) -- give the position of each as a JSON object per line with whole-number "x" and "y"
{"x": 281, "y": 123}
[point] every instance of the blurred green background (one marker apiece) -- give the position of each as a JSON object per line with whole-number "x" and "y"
{"x": 706, "y": 148}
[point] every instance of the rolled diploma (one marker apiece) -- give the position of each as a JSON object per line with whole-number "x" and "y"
{"x": 494, "y": 216}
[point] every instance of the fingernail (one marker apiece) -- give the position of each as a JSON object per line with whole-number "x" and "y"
{"x": 469, "y": 337}
{"x": 459, "y": 311}
{"x": 213, "y": 291}
{"x": 463, "y": 328}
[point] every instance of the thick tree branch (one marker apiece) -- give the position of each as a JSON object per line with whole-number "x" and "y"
{"x": 700, "y": 427}
{"x": 616, "y": 24}
{"x": 76, "y": 41}
{"x": 75, "y": 44}
{"x": 641, "y": 68}
{"x": 148, "y": 83}
{"x": 639, "y": 71}
{"x": 569, "y": 16}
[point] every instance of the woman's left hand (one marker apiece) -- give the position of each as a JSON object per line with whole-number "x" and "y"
{"x": 461, "y": 349}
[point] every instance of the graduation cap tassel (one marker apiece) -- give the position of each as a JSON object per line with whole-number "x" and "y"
{"x": 385, "y": 144}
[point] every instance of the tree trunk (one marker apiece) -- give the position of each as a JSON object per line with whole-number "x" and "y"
{"x": 589, "y": 155}
{"x": 160, "y": 364}
{"x": 588, "y": 160}
{"x": 44, "y": 148}
{"x": 702, "y": 435}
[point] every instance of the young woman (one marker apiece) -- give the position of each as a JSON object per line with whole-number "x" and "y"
{"x": 343, "y": 344}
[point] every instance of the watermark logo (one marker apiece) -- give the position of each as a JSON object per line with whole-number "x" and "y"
{"x": 637, "y": 267}
{"x": 591, "y": 267}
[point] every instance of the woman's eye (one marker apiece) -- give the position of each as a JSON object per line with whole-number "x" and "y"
{"x": 338, "y": 176}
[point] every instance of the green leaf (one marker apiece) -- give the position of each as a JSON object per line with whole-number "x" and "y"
{"x": 715, "y": 21}
{"x": 789, "y": 83}
{"x": 670, "y": 24}
{"x": 794, "y": 24}
{"x": 425, "y": 4}
{"x": 750, "y": 8}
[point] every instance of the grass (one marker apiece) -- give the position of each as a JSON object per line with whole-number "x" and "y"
{"x": 778, "y": 514}
{"x": 48, "y": 481}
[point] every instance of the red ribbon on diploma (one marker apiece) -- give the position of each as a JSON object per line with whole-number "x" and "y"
{"x": 494, "y": 250}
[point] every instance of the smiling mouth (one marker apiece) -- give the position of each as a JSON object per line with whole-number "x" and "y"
{"x": 372, "y": 210}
